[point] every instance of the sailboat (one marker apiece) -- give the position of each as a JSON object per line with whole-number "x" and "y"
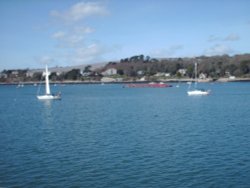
{"x": 48, "y": 95}
{"x": 196, "y": 91}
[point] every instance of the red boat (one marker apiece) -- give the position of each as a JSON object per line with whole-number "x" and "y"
{"x": 152, "y": 85}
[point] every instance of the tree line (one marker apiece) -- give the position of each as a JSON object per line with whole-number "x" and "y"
{"x": 213, "y": 67}
{"x": 139, "y": 65}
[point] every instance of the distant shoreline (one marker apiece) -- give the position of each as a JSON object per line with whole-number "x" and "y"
{"x": 126, "y": 82}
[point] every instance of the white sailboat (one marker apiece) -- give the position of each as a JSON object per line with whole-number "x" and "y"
{"x": 196, "y": 91}
{"x": 48, "y": 95}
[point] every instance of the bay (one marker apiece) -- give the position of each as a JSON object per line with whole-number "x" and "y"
{"x": 110, "y": 136}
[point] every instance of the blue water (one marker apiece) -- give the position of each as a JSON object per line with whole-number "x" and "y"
{"x": 109, "y": 136}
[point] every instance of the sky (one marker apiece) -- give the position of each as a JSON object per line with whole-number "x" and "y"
{"x": 74, "y": 32}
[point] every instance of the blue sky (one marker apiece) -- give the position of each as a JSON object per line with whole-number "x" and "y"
{"x": 70, "y": 32}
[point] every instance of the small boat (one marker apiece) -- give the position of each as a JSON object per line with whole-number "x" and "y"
{"x": 20, "y": 85}
{"x": 48, "y": 95}
{"x": 151, "y": 85}
{"x": 197, "y": 91}
{"x": 178, "y": 84}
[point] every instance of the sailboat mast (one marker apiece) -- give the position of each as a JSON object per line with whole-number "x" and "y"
{"x": 195, "y": 69}
{"x": 47, "y": 80}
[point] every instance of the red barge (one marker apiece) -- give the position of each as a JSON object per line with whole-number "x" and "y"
{"x": 152, "y": 85}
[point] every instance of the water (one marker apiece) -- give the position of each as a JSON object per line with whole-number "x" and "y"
{"x": 109, "y": 136}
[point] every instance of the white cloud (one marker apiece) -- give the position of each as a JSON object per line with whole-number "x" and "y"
{"x": 59, "y": 35}
{"x": 44, "y": 60}
{"x": 172, "y": 50}
{"x": 90, "y": 54}
{"x": 86, "y": 54}
{"x": 80, "y": 11}
{"x": 213, "y": 38}
{"x": 83, "y": 30}
{"x": 232, "y": 37}
{"x": 218, "y": 49}
{"x": 74, "y": 37}
{"x": 74, "y": 40}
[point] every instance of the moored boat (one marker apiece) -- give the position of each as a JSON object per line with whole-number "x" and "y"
{"x": 196, "y": 91}
{"x": 48, "y": 95}
{"x": 145, "y": 85}
{"x": 199, "y": 92}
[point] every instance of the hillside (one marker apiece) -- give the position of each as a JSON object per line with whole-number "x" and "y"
{"x": 214, "y": 66}
{"x": 141, "y": 67}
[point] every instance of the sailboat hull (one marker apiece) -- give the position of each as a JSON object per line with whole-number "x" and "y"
{"x": 195, "y": 91}
{"x": 49, "y": 97}
{"x": 198, "y": 92}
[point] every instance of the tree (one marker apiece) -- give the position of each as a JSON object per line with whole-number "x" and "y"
{"x": 244, "y": 68}
{"x": 37, "y": 76}
{"x": 178, "y": 75}
{"x": 74, "y": 74}
{"x": 190, "y": 71}
{"x": 141, "y": 57}
{"x": 87, "y": 69}
{"x": 120, "y": 72}
{"x": 147, "y": 59}
{"x": 231, "y": 68}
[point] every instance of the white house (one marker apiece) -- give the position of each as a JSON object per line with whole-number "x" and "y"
{"x": 182, "y": 71}
{"x": 142, "y": 79}
{"x": 230, "y": 77}
{"x": 15, "y": 73}
{"x": 119, "y": 79}
{"x": 107, "y": 79}
{"x": 109, "y": 72}
{"x": 140, "y": 72}
{"x": 29, "y": 74}
{"x": 158, "y": 74}
{"x": 202, "y": 76}
{"x": 167, "y": 74}
{"x": 86, "y": 74}
{"x": 3, "y": 75}
{"x": 58, "y": 73}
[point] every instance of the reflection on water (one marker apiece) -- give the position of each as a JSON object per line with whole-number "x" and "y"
{"x": 47, "y": 103}
{"x": 47, "y": 112}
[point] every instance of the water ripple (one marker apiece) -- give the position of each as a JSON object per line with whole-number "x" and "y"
{"x": 118, "y": 137}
